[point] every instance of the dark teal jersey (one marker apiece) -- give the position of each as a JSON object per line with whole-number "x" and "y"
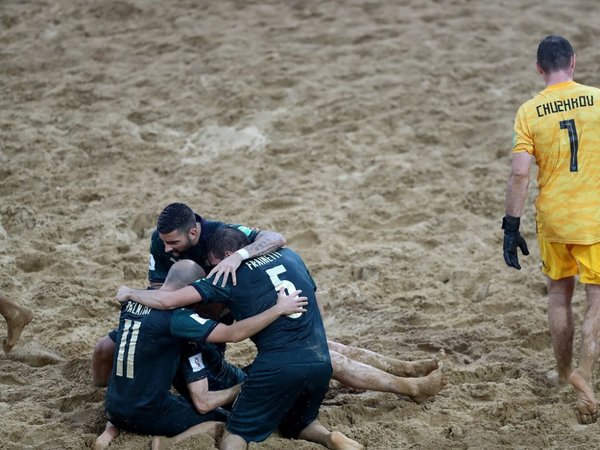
{"x": 161, "y": 261}
{"x": 287, "y": 339}
{"x": 148, "y": 352}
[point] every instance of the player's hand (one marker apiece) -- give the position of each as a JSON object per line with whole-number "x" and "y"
{"x": 291, "y": 304}
{"x": 512, "y": 241}
{"x": 226, "y": 267}
{"x": 123, "y": 294}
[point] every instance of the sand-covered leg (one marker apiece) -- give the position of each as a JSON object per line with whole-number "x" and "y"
{"x": 586, "y": 406}
{"x": 315, "y": 432}
{"x": 581, "y": 378}
{"x": 212, "y": 428}
{"x": 388, "y": 364}
{"x": 161, "y": 443}
{"x": 430, "y": 385}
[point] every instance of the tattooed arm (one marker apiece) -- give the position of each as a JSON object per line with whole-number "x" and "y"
{"x": 265, "y": 242}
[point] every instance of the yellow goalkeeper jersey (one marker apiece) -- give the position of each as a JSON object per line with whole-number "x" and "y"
{"x": 560, "y": 127}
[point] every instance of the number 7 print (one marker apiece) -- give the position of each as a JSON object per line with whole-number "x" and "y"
{"x": 569, "y": 125}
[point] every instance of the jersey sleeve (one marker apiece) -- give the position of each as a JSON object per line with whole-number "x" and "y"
{"x": 188, "y": 325}
{"x": 312, "y": 281}
{"x": 157, "y": 266}
{"x": 250, "y": 232}
{"x": 522, "y": 139}
{"x": 211, "y": 293}
{"x": 314, "y": 285}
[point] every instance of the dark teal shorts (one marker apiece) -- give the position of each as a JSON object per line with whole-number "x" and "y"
{"x": 287, "y": 397}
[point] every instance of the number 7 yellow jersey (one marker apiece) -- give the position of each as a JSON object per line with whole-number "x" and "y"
{"x": 560, "y": 127}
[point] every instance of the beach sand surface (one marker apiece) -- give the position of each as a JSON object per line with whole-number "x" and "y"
{"x": 374, "y": 135}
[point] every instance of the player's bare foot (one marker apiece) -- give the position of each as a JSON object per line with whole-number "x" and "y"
{"x": 104, "y": 440}
{"x": 586, "y": 406}
{"x": 161, "y": 442}
{"x": 338, "y": 441}
{"x": 556, "y": 380}
{"x": 430, "y": 385}
{"x": 15, "y": 324}
{"x": 419, "y": 368}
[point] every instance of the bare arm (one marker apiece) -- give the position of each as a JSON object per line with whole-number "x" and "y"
{"x": 321, "y": 310}
{"x": 518, "y": 184}
{"x": 516, "y": 195}
{"x": 265, "y": 242}
{"x": 205, "y": 400}
{"x": 160, "y": 299}
{"x": 286, "y": 304}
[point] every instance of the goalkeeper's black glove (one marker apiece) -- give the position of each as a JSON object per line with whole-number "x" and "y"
{"x": 512, "y": 241}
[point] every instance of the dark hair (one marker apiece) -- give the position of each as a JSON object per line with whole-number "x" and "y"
{"x": 554, "y": 53}
{"x": 226, "y": 239}
{"x": 176, "y": 216}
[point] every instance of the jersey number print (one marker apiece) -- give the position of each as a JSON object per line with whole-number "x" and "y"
{"x": 126, "y": 354}
{"x": 569, "y": 125}
{"x": 279, "y": 283}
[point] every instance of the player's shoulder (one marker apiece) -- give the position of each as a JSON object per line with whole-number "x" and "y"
{"x": 209, "y": 226}
{"x": 155, "y": 236}
{"x": 291, "y": 256}
{"x": 156, "y": 243}
{"x": 587, "y": 87}
{"x": 211, "y": 223}
{"x": 186, "y": 314}
{"x": 532, "y": 101}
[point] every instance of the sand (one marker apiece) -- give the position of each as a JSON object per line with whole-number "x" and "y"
{"x": 375, "y": 136}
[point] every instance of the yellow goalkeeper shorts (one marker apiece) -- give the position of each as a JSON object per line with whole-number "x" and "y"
{"x": 566, "y": 260}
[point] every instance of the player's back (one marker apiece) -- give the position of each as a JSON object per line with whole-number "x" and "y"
{"x": 145, "y": 361}
{"x": 287, "y": 339}
{"x": 560, "y": 127}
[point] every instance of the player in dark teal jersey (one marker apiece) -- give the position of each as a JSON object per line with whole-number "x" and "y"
{"x": 290, "y": 376}
{"x": 166, "y": 248}
{"x": 138, "y": 398}
{"x": 182, "y": 235}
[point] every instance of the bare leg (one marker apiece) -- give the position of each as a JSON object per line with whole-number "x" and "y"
{"x": 104, "y": 440}
{"x": 315, "y": 432}
{"x": 390, "y": 365}
{"x": 232, "y": 442}
{"x": 361, "y": 376}
{"x": 211, "y": 428}
{"x": 17, "y": 317}
{"x": 581, "y": 378}
{"x": 102, "y": 361}
{"x": 560, "y": 322}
